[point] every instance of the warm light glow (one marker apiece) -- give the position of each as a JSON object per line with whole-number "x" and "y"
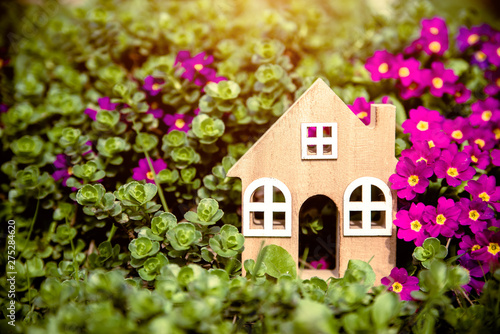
{"x": 383, "y": 68}
{"x": 440, "y": 219}
{"x": 413, "y": 180}
{"x": 423, "y": 126}
{"x": 437, "y": 83}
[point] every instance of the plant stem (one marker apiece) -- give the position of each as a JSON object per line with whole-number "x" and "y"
{"x": 112, "y": 232}
{"x": 26, "y": 243}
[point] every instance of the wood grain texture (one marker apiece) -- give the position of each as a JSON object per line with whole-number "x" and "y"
{"x": 362, "y": 151}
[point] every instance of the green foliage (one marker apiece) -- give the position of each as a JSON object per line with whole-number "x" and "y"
{"x": 430, "y": 250}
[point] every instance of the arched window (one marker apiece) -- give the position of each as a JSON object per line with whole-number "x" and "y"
{"x": 367, "y": 208}
{"x": 267, "y": 209}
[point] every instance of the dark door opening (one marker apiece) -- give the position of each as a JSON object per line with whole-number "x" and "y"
{"x": 318, "y": 219}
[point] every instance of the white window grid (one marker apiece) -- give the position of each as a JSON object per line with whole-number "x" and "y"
{"x": 268, "y": 207}
{"x": 366, "y": 207}
{"x": 319, "y": 142}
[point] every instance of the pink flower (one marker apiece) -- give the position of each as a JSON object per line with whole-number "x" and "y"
{"x": 381, "y": 65}
{"x": 485, "y": 189}
{"x": 422, "y": 123}
{"x": 104, "y": 104}
{"x": 411, "y": 224}
{"x": 478, "y": 157}
{"x": 434, "y": 36}
{"x": 458, "y": 129}
{"x": 407, "y": 70}
{"x": 490, "y": 246}
{"x": 153, "y": 85}
{"x": 196, "y": 68}
{"x": 443, "y": 219}
{"x": 462, "y": 94}
{"x": 492, "y": 52}
{"x": 143, "y": 172}
{"x": 410, "y": 179}
{"x": 420, "y": 151}
{"x": 155, "y": 111}
{"x": 361, "y": 108}
{"x": 484, "y": 112}
{"x": 483, "y": 137}
{"x": 402, "y": 284}
{"x": 454, "y": 166}
{"x": 473, "y": 36}
{"x": 179, "y": 122}
{"x": 442, "y": 80}
{"x": 475, "y": 214}
{"x": 493, "y": 78}
{"x": 321, "y": 264}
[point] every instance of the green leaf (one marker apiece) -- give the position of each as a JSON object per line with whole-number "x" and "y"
{"x": 278, "y": 261}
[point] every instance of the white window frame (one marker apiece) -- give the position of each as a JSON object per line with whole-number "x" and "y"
{"x": 319, "y": 141}
{"x": 366, "y": 206}
{"x": 268, "y": 207}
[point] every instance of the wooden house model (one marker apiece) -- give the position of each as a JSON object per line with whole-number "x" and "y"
{"x": 320, "y": 147}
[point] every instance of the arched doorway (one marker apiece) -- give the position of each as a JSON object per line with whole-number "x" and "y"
{"x": 318, "y": 228}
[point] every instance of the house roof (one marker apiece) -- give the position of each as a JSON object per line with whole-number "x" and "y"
{"x": 317, "y": 105}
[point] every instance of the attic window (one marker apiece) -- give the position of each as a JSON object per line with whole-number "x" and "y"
{"x": 367, "y": 208}
{"x": 267, "y": 209}
{"x": 319, "y": 140}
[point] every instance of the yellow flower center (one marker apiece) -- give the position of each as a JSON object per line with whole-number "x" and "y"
{"x": 362, "y": 114}
{"x": 473, "y": 158}
{"x": 70, "y": 170}
{"x": 474, "y": 215}
{"x": 423, "y": 126}
{"x": 457, "y": 134}
{"x": 472, "y": 39}
{"x": 498, "y": 51}
{"x": 155, "y": 86}
{"x": 431, "y": 144}
{"x": 484, "y": 196}
{"x": 497, "y": 133}
{"x": 415, "y": 226}
{"x": 154, "y": 105}
{"x": 435, "y": 46}
{"x": 486, "y": 115}
{"x": 434, "y": 30}
{"x": 437, "y": 83}
{"x": 422, "y": 159}
{"x": 475, "y": 248}
{"x": 150, "y": 175}
{"x": 440, "y": 219}
{"x": 413, "y": 180}
{"x": 480, "y": 142}
{"x": 383, "y": 68}
{"x": 404, "y": 72}
{"x": 480, "y": 55}
{"x": 198, "y": 67}
{"x": 497, "y": 81}
{"x": 452, "y": 171}
{"x": 180, "y": 123}
{"x": 397, "y": 287}
{"x": 493, "y": 248}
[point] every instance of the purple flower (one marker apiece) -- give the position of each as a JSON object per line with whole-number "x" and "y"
{"x": 179, "y": 122}
{"x": 478, "y": 157}
{"x": 153, "y": 85}
{"x": 468, "y": 244}
{"x": 420, "y": 151}
{"x": 411, "y": 224}
{"x": 321, "y": 264}
{"x": 485, "y": 189}
{"x": 3, "y": 108}
{"x": 485, "y": 111}
{"x": 453, "y": 166}
{"x": 407, "y": 70}
{"x": 410, "y": 179}
{"x": 381, "y": 65}
{"x": 402, "y": 284}
{"x": 492, "y": 52}
{"x": 480, "y": 59}
{"x": 64, "y": 170}
{"x": 458, "y": 129}
{"x": 442, "y": 80}
{"x": 490, "y": 246}
{"x": 104, "y": 104}
{"x": 443, "y": 219}
{"x": 495, "y": 157}
{"x": 475, "y": 270}
{"x": 483, "y": 137}
{"x": 462, "y": 94}
{"x": 469, "y": 37}
{"x": 195, "y": 68}
{"x": 143, "y": 172}
{"x": 493, "y": 78}
{"x": 475, "y": 214}
{"x": 155, "y": 111}
{"x": 361, "y": 108}
{"x": 422, "y": 123}
{"x": 434, "y": 34}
